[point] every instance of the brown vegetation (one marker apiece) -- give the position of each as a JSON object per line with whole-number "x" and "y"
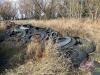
{"x": 52, "y": 63}
{"x": 36, "y": 47}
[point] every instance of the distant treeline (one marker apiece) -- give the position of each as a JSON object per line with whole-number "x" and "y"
{"x": 50, "y": 9}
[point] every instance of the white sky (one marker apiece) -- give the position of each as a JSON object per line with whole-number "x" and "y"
{"x": 13, "y": 0}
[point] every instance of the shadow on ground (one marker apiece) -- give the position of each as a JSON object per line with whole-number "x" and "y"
{"x": 96, "y": 70}
{"x": 11, "y": 53}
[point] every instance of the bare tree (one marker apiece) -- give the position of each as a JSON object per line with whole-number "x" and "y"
{"x": 7, "y": 11}
{"x": 49, "y": 9}
{"x": 26, "y": 8}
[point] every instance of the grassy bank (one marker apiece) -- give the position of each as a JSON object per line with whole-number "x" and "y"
{"x": 51, "y": 63}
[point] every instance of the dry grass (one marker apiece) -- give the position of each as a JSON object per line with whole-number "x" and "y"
{"x": 52, "y": 63}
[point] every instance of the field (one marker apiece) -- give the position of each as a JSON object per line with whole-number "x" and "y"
{"x": 51, "y": 64}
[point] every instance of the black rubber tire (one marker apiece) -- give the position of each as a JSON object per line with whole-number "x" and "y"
{"x": 87, "y": 45}
{"x": 70, "y": 44}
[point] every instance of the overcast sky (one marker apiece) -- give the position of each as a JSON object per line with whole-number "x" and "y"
{"x": 1, "y": 1}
